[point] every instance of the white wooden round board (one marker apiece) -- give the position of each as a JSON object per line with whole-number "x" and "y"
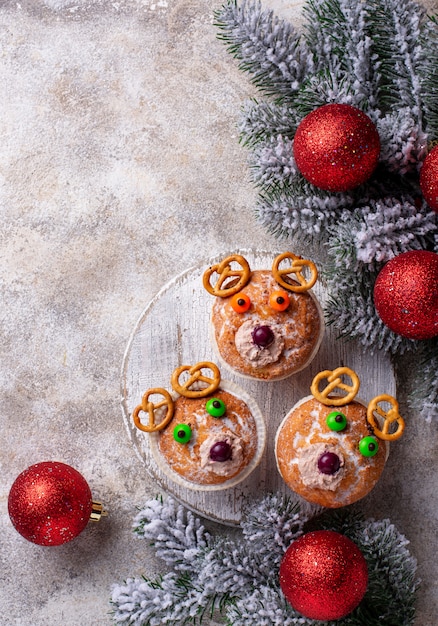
{"x": 173, "y": 330}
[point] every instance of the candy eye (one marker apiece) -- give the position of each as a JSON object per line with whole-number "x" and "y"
{"x": 368, "y": 446}
{"x": 279, "y": 300}
{"x": 240, "y": 302}
{"x": 336, "y": 421}
{"x": 215, "y": 407}
{"x": 182, "y": 433}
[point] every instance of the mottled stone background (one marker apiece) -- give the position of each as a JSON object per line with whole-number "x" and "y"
{"x": 119, "y": 167}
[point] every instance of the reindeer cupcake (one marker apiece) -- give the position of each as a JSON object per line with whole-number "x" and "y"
{"x": 206, "y": 435}
{"x": 266, "y": 324}
{"x": 331, "y": 448}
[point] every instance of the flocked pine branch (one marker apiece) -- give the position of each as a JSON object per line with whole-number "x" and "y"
{"x": 375, "y": 233}
{"x": 396, "y": 27}
{"x": 428, "y": 73}
{"x": 354, "y": 315}
{"x": 378, "y": 55}
{"x": 262, "y": 120}
{"x": 391, "y": 573}
{"x": 392, "y": 567}
{"x": 299, "y": 207}
{"x": 351, "y": 46}
{"x": 268, "y": 48}
{"x": 178, "y": 535}
{"x": 166, "y": 600}
{"x": 239, "y": 578}
{"x": 277, "y": 521}
{"x": 424, "y": 398}
{"x": 358, "y": 247}
{"x": 338, "y": 33}
{"x": 348, "y": 47}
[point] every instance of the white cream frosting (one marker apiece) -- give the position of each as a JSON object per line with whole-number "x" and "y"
{"x": 253, "y": 354}
{"x": 222, "y": 468}
{"x": 308, "y": 466}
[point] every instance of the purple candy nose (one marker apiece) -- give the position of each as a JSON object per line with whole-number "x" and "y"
{"x": 262, "y": 336}
{"x": 329, "y": 463}
{"x": 220, "y": 451}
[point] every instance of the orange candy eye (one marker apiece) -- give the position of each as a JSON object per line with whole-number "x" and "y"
{"x": 240, "y": 302}
{"x": 279, "y": 300}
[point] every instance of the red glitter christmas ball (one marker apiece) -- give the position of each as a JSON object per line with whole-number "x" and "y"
{"x": 336, "y": 147}
{"x": 50, "y": 503}
{"x": 429, "y": 179}
{"x": 406, "y": 294}
{"x": 323, "y": 575}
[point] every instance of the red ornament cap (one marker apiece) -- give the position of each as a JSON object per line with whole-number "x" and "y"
{"x": 336, "y": 147}
{"x": 429, "y": 179}
{"x": 406, "y": 294}
{"x": 50, "y": 503}
{"x": 323, "y": 575}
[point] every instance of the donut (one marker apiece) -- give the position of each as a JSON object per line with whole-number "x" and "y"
{"x": 236, "y": 428}
{"x": 208, "y": 434}
{"x": 326, "y": 466}
{"x": 266, "y": 330}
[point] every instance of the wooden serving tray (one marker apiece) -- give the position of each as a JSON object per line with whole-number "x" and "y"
{"x": 173, "y": 330}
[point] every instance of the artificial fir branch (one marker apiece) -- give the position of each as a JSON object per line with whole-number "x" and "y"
{"x": 277, "y": 521}
{"x": 300, "y": 207}
{"x": 166, "y": 600}
{"x": 343, "y": 41}
{"x": 429, "y": 77}
{"x": 367, "y": 238}
{"x": 239, "y": 578}
{"x": 394, "y": 567}
{"x": 424, "y": 397}
{"x": 263, "y": 120}
{"x": 351, "y": 46}
{"x": 396, "y": 28}
{"x": 337, "y": 31}
{"x": 380, "y": 56}
{"x": 252, "y": 35}
{"x": 178, "y": 535}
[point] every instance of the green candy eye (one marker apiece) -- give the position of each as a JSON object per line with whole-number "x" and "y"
{"x": 182, "y": 433}
{"x": 215, "y": 407}
{"x": 368, "y": 446}
{"x": 336, "y": 421}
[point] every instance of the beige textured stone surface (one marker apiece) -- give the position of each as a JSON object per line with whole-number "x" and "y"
{"x": 119, "y": 167}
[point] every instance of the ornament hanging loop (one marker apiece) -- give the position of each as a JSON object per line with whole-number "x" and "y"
{"x": 97, "y": 512}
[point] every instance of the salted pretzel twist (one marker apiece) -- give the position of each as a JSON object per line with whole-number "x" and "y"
{"x": 222, "y": 287}
{"x": 334, "y": 383}
{"x": 196, "y": 376}
{"x": 150, "y": 408}
{"x": 296, "y": 268}
{"x": 390, "y": 416}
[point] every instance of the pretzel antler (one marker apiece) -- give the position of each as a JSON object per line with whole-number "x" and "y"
{"x": 335, "y": 382}
{"x": 296, "y": 268}
{"x": 195, "y": 376}
{"x": 390, "y": 416}
{"x": 150, "y": 408}
{"x": 223, "y": 287}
